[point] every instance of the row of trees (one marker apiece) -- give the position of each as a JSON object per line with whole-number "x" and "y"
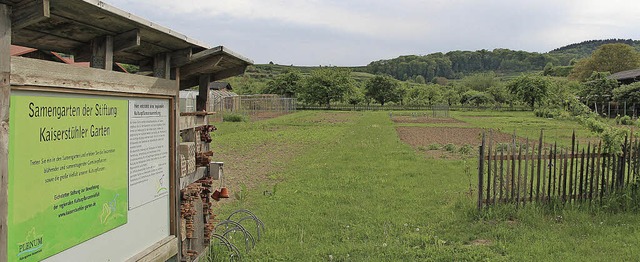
{"x": 324, "y": 86}
{"x": 456, "y": 64}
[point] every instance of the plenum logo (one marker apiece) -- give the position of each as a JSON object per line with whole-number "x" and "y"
{"x": 32, "y": 245}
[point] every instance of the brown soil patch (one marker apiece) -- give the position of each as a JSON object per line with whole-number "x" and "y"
{"x": 332, "y": 117}
{"x": 425, "y": 136}
{"x": 420, "y": 138}
{"x": 425, "y": 120}
{"x": 257, "y": 116}
{"x": 254, "y": 166}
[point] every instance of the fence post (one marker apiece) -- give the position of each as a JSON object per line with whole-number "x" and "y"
{"x": 481, "y": 172}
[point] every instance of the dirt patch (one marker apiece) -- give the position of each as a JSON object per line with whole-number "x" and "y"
{"x": 332, "y": 117}
{"x": 255, "y": 166}
{"x": 433, "y": 141}
{"x": 425, "y": 136}
{"x": 257, "y": 116}
{"x": 425, "y": 120}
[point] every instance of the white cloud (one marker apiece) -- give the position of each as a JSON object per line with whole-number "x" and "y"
{"x": 358, "y": 31}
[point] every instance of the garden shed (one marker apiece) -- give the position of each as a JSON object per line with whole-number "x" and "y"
{"x": 91, "y": 160}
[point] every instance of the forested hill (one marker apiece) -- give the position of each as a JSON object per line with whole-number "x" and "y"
{"x": 456, "y": 64}
{"x": 584, "y": 49}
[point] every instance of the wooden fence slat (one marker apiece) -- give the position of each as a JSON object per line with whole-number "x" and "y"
{"x": 501, "y": 172}
{"x": 560, "y": 174}
{"x": 526, "y": 168}
{"x": 564, "y": 179}
{"x": 489, "y": 166}
{"x": 550, "y": 175}
{"x": 519, "y": 176}
{"x": 581, "y": 186}
{"x": 480, "y": 173}
{"x": 571, "y": 174}
{"x": 592, "y": 173}
{"x": 495, "y": 177}
{"x": 539, "y": 165}
{"x": 513, "y": 167}
{"x": 532, "y": 174}
{"x": 603, "y": 172}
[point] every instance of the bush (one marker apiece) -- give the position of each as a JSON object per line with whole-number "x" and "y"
{"x": 450, "y": 147}
{"x": 434, "y": 146}
{"x": 233, "y": 118}
{"x": 624, "y": 120}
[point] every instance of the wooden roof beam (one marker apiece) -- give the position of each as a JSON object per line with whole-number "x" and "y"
{"x": 126, "y": 40}
{"x": 234, "y": 71}
{"x": 30, "y": 12}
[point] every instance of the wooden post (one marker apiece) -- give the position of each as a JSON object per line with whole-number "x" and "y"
{"x": 174, "y": 187}
{"x": 161, "y": 66}
{"x": 102, "y": 53}
{"x": 5, "y": 94}
{"x": 481, "y": 172}
{"x": 203, "y": 92}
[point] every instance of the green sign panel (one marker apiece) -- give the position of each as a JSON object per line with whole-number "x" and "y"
{"x": 67, "y": 172}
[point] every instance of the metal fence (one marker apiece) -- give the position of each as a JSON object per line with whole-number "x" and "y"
{"x": 256, "y": 106}
{"x": 342, "y": 107}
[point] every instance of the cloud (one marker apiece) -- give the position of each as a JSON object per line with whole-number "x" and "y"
{"x": 357, "y": 32}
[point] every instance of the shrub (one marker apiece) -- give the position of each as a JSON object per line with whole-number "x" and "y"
{"x": 624, "y": 120}
{"x": 233, "y": 118}
{"x": 434, "y": 147}
{"x": 466, "y": 149}
{"x": 450, "y": 147}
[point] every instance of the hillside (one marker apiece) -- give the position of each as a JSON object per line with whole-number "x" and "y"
{"x": 585, "y": 48}
{"x": 451, "y": 65}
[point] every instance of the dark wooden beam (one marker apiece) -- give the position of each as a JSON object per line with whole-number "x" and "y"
{"x": 126, "y": 40}
{"x": 5, "y": 94}
{"x": 30, "y": 12}
{"x": 206, "y": 65}
{"x": 234, "y": 71}
{"x": 161, "y": 66}
{"x": 102, "y": 52}
{"x": 203, "y": 92}
{"x": 181, "y": 57}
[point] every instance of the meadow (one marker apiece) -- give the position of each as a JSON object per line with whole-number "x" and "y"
{"x": 343, "y": 186}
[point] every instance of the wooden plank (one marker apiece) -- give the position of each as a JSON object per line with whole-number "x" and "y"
{"x": 29, "y": 12}
{"x": 5, "y": 94}
{"x": 32, "y": 72}
{"x": 160, "y": 251}
{"x": 102, "y": 52}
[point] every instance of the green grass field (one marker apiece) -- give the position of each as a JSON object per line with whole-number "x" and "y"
{"x": 344, "y": 187}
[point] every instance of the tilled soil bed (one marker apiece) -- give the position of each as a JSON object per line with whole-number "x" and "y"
{"x": 425, "y": 120}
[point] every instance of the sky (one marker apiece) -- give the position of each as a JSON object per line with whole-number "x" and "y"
{"x": 357, "y": 32}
